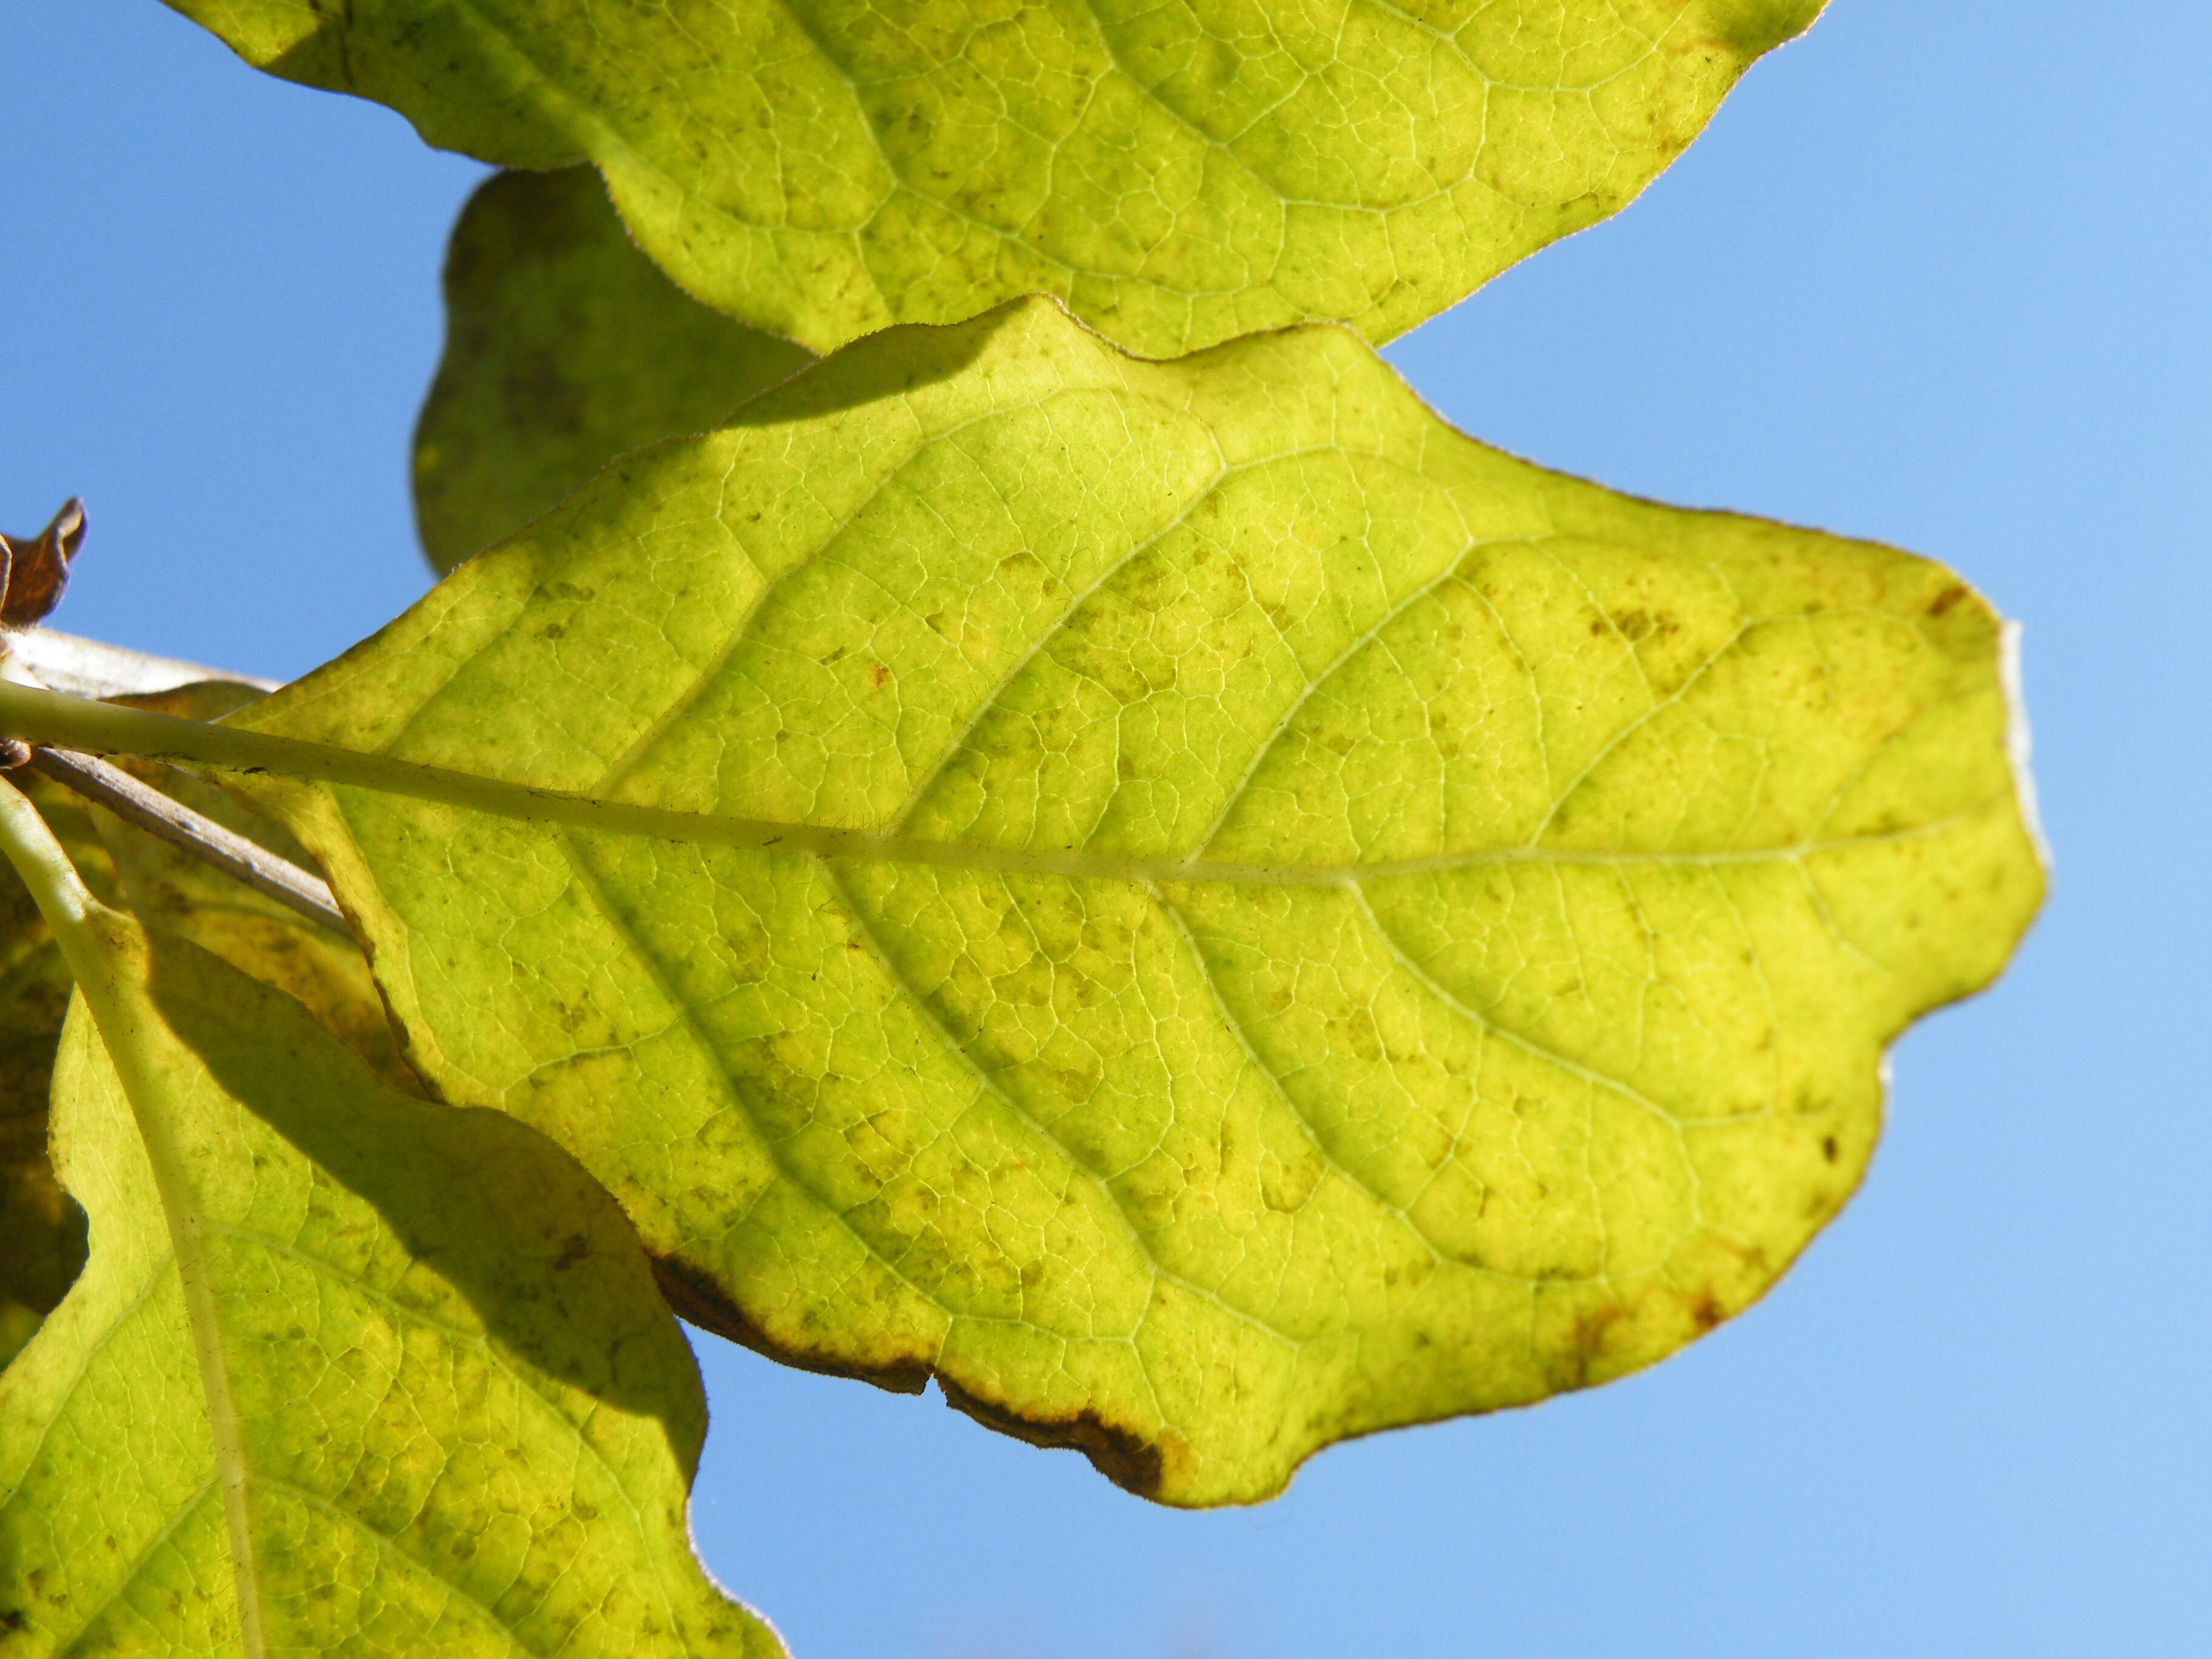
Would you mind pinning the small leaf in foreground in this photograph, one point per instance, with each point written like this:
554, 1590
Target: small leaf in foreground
565, 347
345, 1372
41, 1232
1219, 914
1176, 174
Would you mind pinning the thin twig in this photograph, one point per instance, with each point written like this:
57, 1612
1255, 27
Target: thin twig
202, 837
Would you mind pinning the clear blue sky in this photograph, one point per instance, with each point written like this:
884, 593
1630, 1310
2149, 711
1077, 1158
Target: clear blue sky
1938, 274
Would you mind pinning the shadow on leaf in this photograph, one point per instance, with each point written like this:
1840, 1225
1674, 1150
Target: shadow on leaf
511, 1222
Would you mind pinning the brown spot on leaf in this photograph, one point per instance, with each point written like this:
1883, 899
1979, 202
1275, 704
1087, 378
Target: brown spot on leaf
1705, 1311
1590, 1337
1943, 601
1828, 1147
1638, 625
879, 674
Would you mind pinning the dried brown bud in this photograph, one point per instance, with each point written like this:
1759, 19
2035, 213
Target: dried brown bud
35, 569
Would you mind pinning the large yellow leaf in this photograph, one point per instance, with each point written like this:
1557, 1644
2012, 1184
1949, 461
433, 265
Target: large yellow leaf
1192, 902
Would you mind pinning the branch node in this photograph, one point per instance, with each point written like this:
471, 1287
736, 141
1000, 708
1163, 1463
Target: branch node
172, 821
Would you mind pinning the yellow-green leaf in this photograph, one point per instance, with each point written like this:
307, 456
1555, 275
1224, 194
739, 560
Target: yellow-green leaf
41, 1232
1176, 173
346, 1372
1191, 901
564, 347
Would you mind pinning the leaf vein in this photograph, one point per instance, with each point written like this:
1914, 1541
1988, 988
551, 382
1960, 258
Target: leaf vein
921, 1003
183, 1513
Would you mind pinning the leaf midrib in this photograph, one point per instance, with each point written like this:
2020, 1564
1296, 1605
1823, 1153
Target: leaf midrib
48, 717
185, 1219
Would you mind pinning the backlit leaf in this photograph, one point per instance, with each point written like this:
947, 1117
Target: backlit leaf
346, 1372
41, 1232
564, 347
1178, 173
1204, 909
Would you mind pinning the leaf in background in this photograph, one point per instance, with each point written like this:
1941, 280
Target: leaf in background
1232, 916
389, 1377
41, 1232
1176, 173
565, 347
